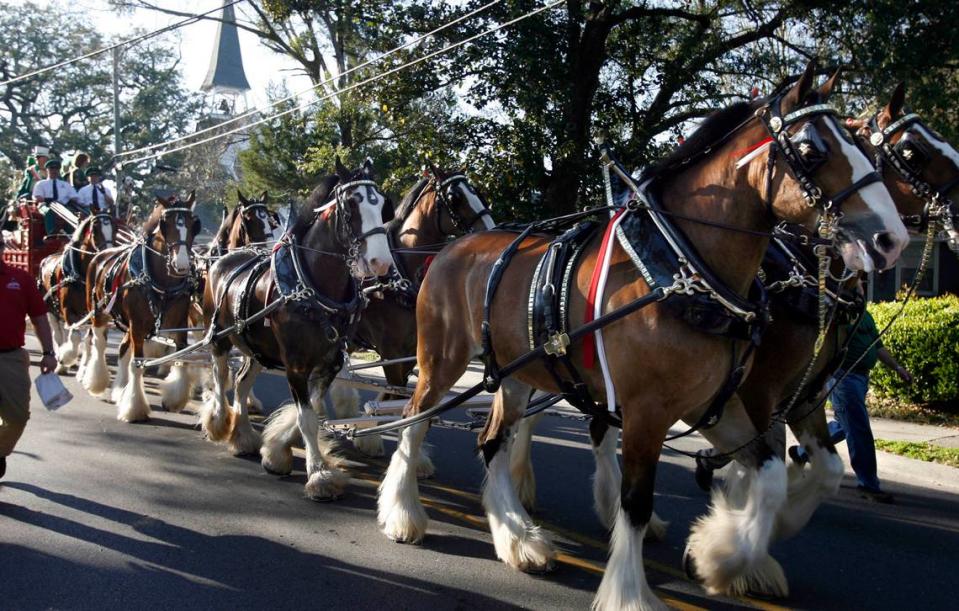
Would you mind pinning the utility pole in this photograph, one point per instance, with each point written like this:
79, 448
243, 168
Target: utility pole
116, 124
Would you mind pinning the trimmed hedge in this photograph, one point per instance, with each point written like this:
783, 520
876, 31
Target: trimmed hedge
925, 339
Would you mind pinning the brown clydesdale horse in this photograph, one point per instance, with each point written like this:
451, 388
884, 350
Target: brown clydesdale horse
661, 367
440, 206
920, 185
144, 287
63, 278
313, 274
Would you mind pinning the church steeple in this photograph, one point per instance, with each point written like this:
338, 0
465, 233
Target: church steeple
226, 74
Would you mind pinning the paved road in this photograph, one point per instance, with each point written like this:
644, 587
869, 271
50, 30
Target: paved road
98, 514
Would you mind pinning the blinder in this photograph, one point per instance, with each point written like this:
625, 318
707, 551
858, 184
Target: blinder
444, 193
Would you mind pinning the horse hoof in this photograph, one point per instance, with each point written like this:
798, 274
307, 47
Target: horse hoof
325, 486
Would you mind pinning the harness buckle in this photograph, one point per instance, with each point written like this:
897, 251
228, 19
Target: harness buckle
556, 344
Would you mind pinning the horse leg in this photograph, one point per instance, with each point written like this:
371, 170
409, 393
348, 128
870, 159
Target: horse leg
84, 358
215, 418
279, 435
96, 376
521, 461
122, 377
133, 405
244, 440
323, 483
177, 386
809, 487
624, 583
518, 542
608, 480
66, 346
728, 547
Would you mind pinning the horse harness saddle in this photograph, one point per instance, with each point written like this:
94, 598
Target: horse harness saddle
667, 262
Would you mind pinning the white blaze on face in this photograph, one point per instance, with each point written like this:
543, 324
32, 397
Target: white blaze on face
181, 261
264, 218
879, 202
476, 204
377, 259
106, 227
944, 148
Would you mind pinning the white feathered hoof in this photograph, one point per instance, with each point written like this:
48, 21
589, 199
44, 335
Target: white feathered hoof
765, 579
370, 446
530, 552
67, 354
656, 529
326, 485
711, 556
404, 524
245, 441
424, 467
96, 377
525, 483
216, 423
175, 389
276, 459
133, 405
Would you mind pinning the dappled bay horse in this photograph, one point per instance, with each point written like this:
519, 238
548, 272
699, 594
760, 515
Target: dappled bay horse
297, 307
439, 206
144, 287
63, 279
648, 367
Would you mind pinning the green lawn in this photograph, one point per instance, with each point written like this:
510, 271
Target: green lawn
921, 451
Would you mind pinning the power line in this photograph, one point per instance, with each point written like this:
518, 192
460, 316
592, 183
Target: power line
124, 43
353, 86
277, 103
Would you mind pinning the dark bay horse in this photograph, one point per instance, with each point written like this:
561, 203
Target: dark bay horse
311, 284
439, 206
660, 366
144, 287
63, 278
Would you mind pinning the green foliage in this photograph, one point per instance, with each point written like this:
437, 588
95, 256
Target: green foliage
921, 451
925, 339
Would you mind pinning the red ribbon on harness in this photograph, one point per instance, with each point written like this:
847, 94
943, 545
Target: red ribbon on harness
589, 340
750, 149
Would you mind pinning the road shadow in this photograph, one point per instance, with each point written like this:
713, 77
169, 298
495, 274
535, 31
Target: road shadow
175, 567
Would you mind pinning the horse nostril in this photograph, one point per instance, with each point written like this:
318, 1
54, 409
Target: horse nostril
885, 241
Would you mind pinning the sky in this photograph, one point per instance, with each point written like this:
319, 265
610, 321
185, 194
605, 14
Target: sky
195, 42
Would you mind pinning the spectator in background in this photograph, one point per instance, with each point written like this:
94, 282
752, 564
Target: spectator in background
848, 389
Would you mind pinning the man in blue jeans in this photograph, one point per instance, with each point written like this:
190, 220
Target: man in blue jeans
848, 397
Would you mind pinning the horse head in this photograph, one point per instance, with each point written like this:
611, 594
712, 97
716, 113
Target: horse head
253, 222
461, 209
358, 210
172, 227
918, 166
818, 173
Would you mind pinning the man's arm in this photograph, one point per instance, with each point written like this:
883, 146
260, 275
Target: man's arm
42, 326
887, 359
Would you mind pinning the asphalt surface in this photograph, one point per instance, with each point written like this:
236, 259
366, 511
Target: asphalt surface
99, 514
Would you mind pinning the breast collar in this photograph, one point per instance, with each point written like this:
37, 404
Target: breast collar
293, 284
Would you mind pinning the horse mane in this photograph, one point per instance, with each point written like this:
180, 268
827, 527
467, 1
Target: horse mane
713, 128
150, 225
81, 228
320, 195
406, 204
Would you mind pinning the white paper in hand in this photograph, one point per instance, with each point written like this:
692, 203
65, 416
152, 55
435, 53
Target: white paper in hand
52, 391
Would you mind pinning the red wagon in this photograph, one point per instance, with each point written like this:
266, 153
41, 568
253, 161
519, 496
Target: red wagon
28, 244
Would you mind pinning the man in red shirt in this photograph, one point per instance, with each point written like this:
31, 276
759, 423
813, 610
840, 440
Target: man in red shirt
19, 298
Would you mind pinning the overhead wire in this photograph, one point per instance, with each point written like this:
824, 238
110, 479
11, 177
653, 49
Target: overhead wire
123, 43
313, 88
351, 87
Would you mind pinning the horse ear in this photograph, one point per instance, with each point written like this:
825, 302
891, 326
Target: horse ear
340, 169
239, 196
226, 213
264, 196
827, 88
894, 108
797, 95
368, 167
435, 170
191, 199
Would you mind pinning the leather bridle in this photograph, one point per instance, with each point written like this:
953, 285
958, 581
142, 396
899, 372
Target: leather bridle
187, 215
343, 217
443, 191
937, 205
